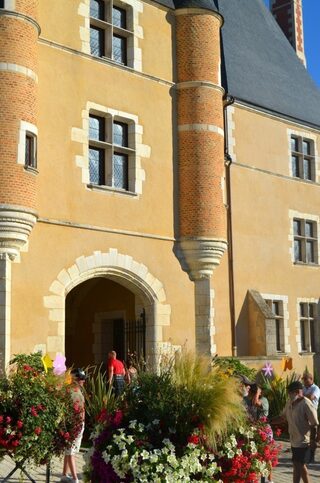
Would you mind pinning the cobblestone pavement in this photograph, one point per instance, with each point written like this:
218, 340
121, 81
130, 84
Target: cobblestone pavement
282, 474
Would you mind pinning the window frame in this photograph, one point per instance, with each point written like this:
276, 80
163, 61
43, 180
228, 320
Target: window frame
301, 157
279, 319
30, 154
307, 325
303, 240
107, 144
110, 31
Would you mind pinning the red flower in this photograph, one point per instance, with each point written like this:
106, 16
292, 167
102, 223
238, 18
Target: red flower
8, 419
34, 411
27, 368
193, 439
1, 419
19, 424
37, 430
66, 436
278, 432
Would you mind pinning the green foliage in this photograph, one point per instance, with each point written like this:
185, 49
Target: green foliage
234, 367
184, 395
33, 360
275, 390
98, 395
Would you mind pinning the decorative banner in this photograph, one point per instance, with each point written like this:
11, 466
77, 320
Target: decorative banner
267, 369
287, 363
47, 362
59, 365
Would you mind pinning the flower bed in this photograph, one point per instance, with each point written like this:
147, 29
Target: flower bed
37, 417
186, 424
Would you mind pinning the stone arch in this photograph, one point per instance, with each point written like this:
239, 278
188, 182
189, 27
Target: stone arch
124, 270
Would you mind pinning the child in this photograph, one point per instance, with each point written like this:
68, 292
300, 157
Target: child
79, 378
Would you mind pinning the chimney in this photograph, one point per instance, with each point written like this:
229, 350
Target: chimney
288, 14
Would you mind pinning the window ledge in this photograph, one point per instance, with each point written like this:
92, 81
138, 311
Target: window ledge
97, 187
302, 264
32, 170
306, 353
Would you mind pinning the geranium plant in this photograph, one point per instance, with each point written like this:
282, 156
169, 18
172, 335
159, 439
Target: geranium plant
38, 419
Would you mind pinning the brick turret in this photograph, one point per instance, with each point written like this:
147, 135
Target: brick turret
288, 14
202, 222
19, 32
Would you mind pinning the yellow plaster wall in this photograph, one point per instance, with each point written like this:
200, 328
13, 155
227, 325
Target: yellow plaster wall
60, 22
261, 223
66, 197
53, 248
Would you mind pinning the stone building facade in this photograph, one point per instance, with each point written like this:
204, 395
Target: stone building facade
159, 181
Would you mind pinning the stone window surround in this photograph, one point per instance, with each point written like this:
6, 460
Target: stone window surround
137, 174
304, 216
26, 128
9, 4
122, 269
135, 53
297, 322
308, 136
286, 328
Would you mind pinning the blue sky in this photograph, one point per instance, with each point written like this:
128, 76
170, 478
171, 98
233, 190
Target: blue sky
311, 14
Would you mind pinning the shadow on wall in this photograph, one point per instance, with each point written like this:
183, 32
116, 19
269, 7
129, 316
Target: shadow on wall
242, 329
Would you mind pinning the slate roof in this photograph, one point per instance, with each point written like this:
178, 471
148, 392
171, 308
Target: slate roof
259, 65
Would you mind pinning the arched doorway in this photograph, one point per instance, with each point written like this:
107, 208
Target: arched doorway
103, 315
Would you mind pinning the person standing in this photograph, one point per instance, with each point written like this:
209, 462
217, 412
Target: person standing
312, 392
69, 463
302, 420
116, 373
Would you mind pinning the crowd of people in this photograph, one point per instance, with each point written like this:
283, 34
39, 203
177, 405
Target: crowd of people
300, 415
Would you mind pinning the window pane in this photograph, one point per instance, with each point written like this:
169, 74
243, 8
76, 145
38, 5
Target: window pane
310, 251
297, 251
120, 134
306, 147
311, 310
303, 310
1, 3
97, 41
309, 229
294, 144
307, 169
312, 336
96, 128
96, 166
97, 9
303, 333
119, 49
30, 159
120, 171
119, 17
278, 335
295, 166
276, 308
297, 227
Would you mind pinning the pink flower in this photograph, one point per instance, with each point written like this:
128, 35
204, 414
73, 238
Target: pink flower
8, 419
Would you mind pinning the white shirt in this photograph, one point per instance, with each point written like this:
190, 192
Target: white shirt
312, 390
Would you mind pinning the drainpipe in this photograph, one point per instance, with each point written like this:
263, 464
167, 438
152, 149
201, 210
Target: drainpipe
228, 101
